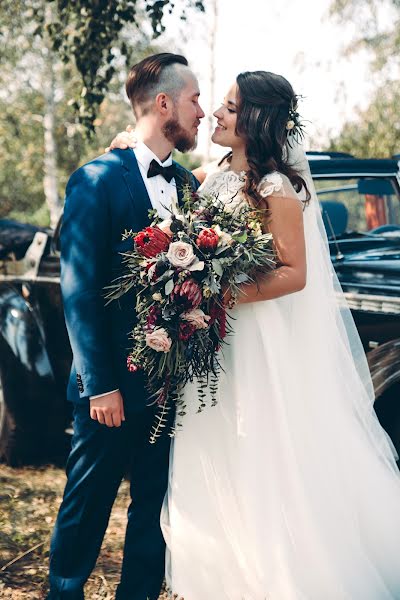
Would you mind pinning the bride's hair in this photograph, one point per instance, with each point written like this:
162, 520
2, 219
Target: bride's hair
264, 101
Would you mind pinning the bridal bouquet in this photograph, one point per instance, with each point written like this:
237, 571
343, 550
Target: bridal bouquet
179, 269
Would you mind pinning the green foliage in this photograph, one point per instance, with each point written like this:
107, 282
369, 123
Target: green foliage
23, 73
189, 161
381, 39
89, 34
376, 131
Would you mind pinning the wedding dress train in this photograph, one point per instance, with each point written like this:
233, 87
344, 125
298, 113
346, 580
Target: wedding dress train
288, 488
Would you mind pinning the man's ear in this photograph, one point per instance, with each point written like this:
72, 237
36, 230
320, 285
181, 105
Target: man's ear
163, 104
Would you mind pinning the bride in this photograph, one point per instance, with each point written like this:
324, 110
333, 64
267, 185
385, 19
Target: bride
288, 488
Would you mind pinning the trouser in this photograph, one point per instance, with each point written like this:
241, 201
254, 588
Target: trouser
99, 458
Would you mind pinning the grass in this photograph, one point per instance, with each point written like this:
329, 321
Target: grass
29, 501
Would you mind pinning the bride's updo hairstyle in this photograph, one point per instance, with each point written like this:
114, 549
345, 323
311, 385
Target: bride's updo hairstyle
263, 104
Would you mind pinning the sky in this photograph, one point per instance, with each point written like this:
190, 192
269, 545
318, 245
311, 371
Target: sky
296, 39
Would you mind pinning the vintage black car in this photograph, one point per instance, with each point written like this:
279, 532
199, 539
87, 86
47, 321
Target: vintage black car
360, 201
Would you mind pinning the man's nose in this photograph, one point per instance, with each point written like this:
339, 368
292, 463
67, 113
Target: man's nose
200, 112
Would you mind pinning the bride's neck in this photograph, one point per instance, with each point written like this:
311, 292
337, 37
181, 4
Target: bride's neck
238, 161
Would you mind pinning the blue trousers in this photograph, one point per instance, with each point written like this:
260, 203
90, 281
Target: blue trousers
99, 458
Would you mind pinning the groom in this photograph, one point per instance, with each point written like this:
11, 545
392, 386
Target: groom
112, 419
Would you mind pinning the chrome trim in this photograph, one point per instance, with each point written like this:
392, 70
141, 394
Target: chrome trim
29, 278
349, 175
369, 303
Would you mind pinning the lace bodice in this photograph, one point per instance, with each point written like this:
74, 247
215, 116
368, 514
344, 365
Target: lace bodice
227, 185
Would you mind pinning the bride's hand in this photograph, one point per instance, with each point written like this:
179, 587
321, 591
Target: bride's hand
123, 140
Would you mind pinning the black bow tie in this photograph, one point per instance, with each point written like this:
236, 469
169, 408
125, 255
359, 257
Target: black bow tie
156, 169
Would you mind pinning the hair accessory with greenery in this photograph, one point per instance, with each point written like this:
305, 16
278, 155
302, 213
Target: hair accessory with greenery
295, 126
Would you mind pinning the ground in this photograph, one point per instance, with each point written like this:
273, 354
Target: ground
29, 500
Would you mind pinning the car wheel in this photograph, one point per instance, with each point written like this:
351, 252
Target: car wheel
387, 408
9, 452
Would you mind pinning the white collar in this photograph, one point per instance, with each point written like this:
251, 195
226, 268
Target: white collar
144, 156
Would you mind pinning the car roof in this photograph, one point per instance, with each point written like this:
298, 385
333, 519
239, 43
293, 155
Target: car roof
340, 165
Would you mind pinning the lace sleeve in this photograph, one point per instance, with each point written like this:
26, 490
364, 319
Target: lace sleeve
276, 184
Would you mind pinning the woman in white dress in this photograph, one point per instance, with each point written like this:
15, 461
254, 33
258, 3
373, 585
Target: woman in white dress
288, 488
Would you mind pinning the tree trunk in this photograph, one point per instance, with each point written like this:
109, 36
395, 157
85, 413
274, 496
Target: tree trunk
50, 179
213, 36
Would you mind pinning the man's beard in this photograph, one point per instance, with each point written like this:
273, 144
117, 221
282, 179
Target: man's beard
178, 136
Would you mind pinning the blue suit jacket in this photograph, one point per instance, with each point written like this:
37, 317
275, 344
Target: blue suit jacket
103, 198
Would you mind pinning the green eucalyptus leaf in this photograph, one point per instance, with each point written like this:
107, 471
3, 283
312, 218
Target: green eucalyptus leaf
217, 267
240, 236
169, 286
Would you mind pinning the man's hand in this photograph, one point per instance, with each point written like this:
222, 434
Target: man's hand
108, 410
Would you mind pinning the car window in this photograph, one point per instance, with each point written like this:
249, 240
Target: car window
359, 205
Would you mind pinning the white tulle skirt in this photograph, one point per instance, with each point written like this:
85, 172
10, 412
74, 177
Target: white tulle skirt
283, 491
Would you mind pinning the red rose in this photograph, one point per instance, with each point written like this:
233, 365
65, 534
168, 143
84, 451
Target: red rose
187, 294
186, 330
151, 241
207, 239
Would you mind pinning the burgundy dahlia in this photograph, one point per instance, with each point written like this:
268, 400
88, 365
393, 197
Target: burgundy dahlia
151, 241
187, 294
218, 315
153, 316
186, 330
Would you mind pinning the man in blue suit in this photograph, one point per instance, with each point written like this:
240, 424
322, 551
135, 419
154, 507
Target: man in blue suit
112, 419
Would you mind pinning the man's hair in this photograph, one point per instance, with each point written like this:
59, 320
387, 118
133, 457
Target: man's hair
153, 75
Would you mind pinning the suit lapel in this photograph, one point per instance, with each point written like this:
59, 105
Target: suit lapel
137, 189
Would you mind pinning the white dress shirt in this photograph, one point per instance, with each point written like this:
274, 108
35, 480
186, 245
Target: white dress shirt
160, 191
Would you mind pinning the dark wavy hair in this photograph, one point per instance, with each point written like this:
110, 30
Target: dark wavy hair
263, 104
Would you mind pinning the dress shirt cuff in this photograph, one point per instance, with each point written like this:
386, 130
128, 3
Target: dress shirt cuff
101, 395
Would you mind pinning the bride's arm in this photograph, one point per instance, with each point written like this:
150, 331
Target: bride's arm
286, 226
200, 174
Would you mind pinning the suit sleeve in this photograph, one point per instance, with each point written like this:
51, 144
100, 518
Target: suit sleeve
85, 270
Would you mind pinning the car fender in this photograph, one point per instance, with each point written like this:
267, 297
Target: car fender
28, 378
384, 365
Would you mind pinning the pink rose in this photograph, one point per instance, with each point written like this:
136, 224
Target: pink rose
180, 254
197, 318
158, 340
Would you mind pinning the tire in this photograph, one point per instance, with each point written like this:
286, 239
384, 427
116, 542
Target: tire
387, 408
12, 447
28, 444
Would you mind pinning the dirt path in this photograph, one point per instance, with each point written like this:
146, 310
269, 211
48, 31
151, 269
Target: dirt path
29, 501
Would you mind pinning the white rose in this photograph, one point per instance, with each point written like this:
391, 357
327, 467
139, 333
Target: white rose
180, 254
157, 297
290, 125
158, 340
197, 318
165, 225
224, 238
